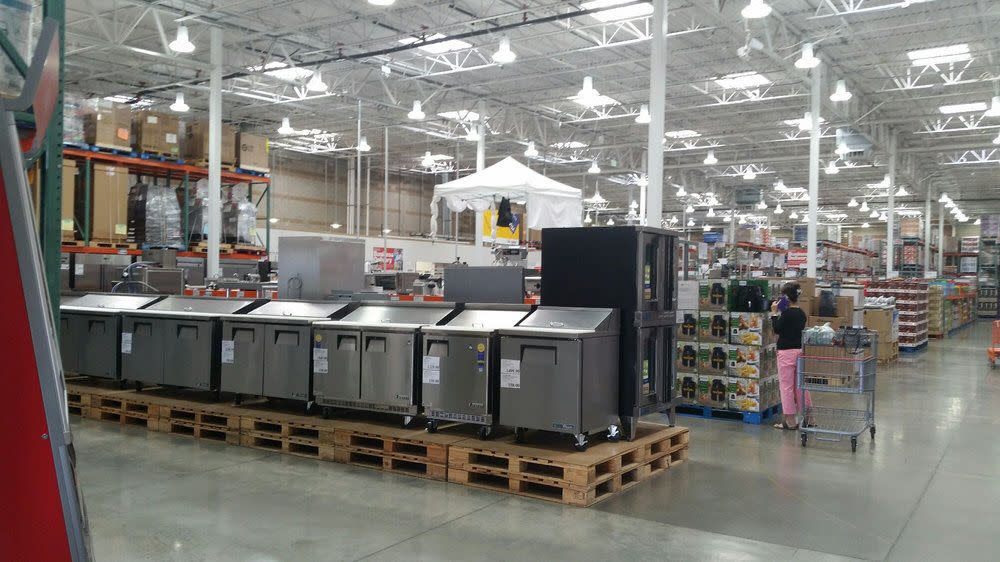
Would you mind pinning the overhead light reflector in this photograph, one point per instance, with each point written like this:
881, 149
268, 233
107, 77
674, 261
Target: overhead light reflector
742, 81
975, 107
417, 113
710, 158
182, 44
841, 93
940, 55
504, 54
286, 127
643, 117
756, 9
808, 59
179, 105
615, 14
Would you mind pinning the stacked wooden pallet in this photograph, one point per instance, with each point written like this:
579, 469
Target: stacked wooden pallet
546, 467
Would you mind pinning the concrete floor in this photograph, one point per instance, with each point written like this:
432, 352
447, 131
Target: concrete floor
926, 489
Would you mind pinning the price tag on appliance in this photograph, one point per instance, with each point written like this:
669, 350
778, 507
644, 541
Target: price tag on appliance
228, 351
321, 360
510, 373
432, 370
127, 343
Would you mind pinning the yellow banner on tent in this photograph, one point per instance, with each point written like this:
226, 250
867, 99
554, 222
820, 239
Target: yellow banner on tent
503, 232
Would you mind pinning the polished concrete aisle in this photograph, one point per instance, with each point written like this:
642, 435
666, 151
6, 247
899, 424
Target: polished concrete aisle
926, 489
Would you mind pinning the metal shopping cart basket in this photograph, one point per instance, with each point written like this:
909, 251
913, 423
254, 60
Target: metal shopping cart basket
843, 364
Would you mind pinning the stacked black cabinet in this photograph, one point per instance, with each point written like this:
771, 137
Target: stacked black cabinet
633, 269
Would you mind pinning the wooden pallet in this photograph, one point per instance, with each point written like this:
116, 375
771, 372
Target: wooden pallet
114, 244
228, 166
73, 242
309, 448
202, 247
390, 463
200, 431
249, 248
549, 469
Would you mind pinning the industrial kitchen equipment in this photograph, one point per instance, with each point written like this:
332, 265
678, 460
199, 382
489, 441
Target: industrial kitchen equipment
643, 289
460, 365
90, 330
559, 372
368, 359
177, 341
313, 267
268, 351
463, 283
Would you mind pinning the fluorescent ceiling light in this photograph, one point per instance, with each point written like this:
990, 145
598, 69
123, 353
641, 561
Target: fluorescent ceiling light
940, 55
643, 117
865, 225
135, 103
182, 44
975, 107
682, 134
615, 14
179, 105
382, 2
286, 127
808, 59
841, 93
335, 225
461, 116
272, 220
531, 151
804, 124
417, 113
504, 54
568, 145
727, 218
756, 9
437, 48
282, 71
742, 81
710, 158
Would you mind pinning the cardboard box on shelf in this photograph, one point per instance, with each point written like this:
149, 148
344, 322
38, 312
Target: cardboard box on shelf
110, 185
252, 153
156, 133
885, 321
686, 388
713, 326
751, 361
196, 143
713, 294
687, 294
712, 390
687, 325
686, 357
68, 203
713, 358
743, 394
108, 126
750, 328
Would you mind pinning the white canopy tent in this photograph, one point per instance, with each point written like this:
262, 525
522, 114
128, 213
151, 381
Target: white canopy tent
549, 203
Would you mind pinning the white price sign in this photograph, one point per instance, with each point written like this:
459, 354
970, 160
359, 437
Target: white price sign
228, 351
321, 360
127, 343
432, 370
510, 373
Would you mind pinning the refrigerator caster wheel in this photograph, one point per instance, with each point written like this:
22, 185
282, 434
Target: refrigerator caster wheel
217, 395
432, 426
326, 413
138, 386
518, 435
854, 444
237, 400
804, 439
872, 431
580, 443
614, 434
485, 432
123, 384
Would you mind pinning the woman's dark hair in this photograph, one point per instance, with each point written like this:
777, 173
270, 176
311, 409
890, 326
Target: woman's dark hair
792, 291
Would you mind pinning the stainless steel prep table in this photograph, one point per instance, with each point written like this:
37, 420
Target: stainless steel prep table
460, 366
176, 341
268, 351
559, 372
90, 328
370, 356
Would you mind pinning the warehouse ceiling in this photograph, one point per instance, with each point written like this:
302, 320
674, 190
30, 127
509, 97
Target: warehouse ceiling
733, 88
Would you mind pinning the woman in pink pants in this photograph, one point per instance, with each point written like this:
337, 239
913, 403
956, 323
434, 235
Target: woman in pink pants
788, 321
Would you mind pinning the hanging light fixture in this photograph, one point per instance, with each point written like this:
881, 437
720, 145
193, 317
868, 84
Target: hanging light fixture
179, 106
472, 135
944, 198
286, 127
864, 206
727, 218
808, 59
417, 113
673, 219
710, 158
756, 9
853, 202
865, 225
841, 93
587, 94
794, 216
978, 222
427, 161
633, 205
690, 222
743, 219
901, 192
531, 151
806, 123
874, 214
273, 220
994, 110
363, 145
504, 54
182, 44
842, 149
594, 168
689, 209
643, 118
997, 140
762, 205
950, 204
778, 210
706, 228
831, 168
642, 181
587, 219
316, 83
749, 174
681, 191
711, 212
805, 218
779, 185
883, 217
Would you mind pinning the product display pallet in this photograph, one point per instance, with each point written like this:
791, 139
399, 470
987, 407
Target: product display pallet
755, 418
913, 348
113, 244
546, 467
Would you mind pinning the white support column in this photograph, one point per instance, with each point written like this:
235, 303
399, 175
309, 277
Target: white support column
657, 110
813, 212
941, 214
890, 247
385, 182
480, 164
643, 190
215, 154
357, 180
927, 230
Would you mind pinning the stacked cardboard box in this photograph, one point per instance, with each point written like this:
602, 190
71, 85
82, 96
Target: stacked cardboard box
68, 199
937, 317
253, 153
753, 364
109, 207
196, 143
156, 133
885, 321
686, 373
109, 126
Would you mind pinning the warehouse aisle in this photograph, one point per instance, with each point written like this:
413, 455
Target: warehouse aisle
748, 492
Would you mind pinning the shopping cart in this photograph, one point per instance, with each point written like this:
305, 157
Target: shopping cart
993, 351
844, 365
